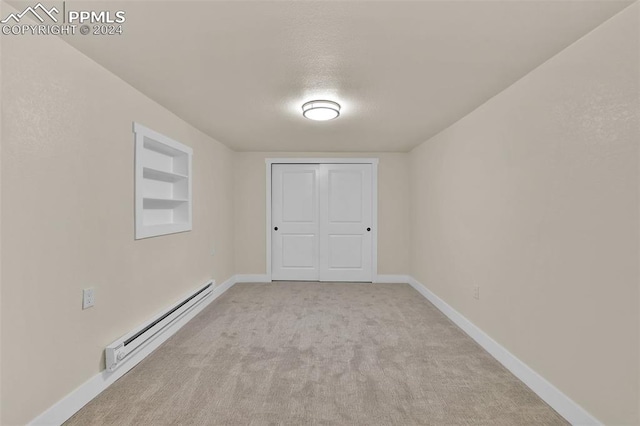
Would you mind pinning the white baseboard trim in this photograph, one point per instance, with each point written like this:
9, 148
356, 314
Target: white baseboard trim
70, 404
565, 406
392, 279
252, 278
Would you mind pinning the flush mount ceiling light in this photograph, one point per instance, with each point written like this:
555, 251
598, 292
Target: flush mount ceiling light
321, 110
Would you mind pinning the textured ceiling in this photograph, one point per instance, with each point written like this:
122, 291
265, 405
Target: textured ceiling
403, 71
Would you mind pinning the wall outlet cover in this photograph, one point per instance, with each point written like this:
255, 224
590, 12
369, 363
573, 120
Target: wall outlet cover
88, 298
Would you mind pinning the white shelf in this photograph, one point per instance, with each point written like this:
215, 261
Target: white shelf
160, 147
163, 184
155, 174
161, 203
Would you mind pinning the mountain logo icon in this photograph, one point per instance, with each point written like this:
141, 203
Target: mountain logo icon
38, 11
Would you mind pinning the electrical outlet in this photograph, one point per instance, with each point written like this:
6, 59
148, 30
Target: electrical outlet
213, 251
476, 292
88, 298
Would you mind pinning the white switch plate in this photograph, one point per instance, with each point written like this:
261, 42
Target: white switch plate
476, 292
88, 298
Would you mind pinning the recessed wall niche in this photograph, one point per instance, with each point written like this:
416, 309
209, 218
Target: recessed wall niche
162, 185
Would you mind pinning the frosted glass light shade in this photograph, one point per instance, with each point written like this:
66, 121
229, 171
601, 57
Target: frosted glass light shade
321, 110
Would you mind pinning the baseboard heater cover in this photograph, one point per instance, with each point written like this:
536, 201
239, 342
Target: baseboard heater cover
117, 352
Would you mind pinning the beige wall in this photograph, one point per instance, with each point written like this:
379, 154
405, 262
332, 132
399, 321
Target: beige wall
68, 223
250, 209
2, 10
534, 197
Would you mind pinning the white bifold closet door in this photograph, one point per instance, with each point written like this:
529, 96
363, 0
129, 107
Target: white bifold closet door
321, 222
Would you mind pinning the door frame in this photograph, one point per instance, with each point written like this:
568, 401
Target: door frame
343, 160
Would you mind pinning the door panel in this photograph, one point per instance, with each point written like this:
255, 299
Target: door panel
345, 196
299, 197
345, 214
295, 212
345, 251
299, 251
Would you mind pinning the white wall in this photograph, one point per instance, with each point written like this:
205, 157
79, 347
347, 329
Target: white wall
250, 209
68, 223
534, 197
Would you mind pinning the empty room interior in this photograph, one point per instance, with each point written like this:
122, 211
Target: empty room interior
320, 212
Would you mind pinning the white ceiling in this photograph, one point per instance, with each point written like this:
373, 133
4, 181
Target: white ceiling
403, 71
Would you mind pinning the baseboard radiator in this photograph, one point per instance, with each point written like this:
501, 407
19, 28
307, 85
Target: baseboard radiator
118, 352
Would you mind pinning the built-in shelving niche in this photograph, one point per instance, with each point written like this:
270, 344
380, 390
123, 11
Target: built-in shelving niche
163, 184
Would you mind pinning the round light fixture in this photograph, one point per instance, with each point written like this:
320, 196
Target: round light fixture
321, 110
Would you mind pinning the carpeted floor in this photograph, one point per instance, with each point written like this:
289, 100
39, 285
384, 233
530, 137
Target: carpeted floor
319, 353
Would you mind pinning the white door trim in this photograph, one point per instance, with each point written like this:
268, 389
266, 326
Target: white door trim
343, 160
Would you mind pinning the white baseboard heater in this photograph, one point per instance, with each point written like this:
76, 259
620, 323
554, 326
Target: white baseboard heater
118, 351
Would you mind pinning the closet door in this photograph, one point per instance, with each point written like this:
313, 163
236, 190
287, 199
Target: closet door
345, 222
294, 222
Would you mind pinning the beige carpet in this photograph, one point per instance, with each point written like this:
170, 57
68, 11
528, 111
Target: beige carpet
319, 353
